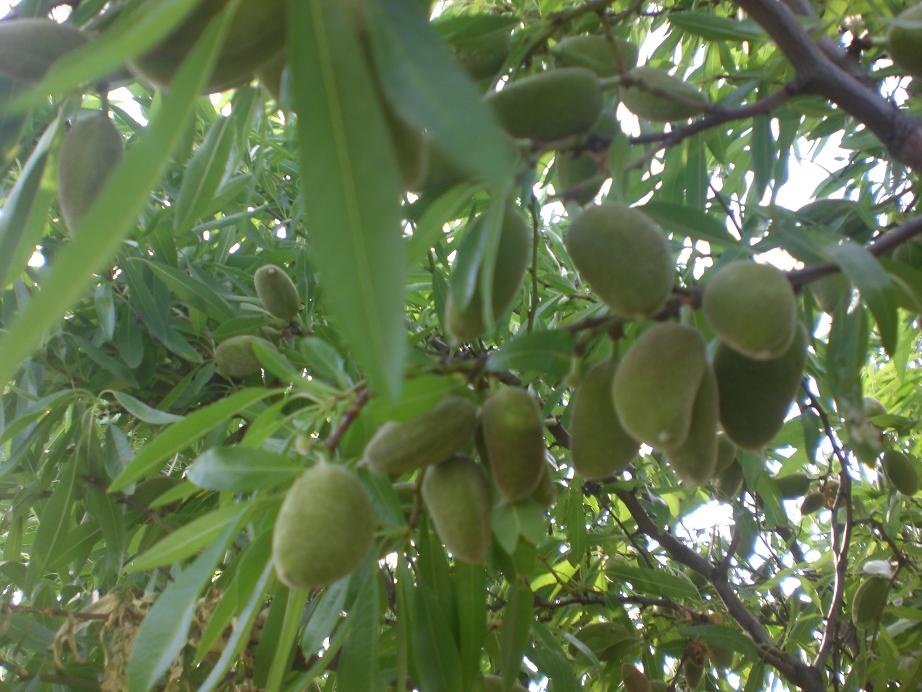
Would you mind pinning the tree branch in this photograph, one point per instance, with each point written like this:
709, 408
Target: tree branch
901, 134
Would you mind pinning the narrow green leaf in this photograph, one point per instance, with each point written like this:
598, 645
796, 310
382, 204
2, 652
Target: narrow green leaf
240, 469
695, 223
54, 520
142, 411
716, 28
189, 539
283, 645
872, 280
426, 86
350, 187
358, 669
196, 293
546, 353
183, 433
163, 632
101, 231
471, 601
325, 615
517, 620
436, 650
652, 581
203, 174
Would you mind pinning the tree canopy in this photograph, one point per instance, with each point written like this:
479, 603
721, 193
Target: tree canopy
390, 344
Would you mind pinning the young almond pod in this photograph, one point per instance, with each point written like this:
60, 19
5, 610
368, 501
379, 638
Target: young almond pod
545, 494
234, 357
624, 257
324, 528
792, 485
513, 436
634, 679
726, 452
657, 383
752, 308
457, 495
729, 482
28, 47
550, 105
253, 38
904, 40
653, 102
277, 292
465, 323
901, 471
812, 503
595, 52
755, 395
695, 460
435, 436
89, 153
599, 445
870, 600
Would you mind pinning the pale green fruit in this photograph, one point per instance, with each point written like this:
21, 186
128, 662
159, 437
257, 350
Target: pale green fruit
792, 485
277, 292
457, 495
512, 257
901, 470
89, 153
609, 641
597, 54
657, 383
755, 395
651, 106
634, 679
873, 407
693, 670
482, 54
545, 493
752, 308
234, 357
28, 47
832, 291
904, 40
578, 176
435, 436
695, 460
324, 528
253, 38
272, 74
624, 257
599, 445
870, 600
550, 105
729, 482
513, 436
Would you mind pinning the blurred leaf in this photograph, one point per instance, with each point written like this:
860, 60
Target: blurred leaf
241, 469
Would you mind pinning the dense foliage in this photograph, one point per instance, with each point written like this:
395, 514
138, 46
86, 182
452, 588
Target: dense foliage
245, 335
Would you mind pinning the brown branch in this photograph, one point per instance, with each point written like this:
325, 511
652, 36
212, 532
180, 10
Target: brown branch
900, 133
51, 612
792, 669
332, 442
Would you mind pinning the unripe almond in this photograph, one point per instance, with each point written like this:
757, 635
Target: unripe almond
90, 151
648, 104
29, 46
324, 528
513, 435
234, 357
870, 600
457, 495
277, 292
902, 471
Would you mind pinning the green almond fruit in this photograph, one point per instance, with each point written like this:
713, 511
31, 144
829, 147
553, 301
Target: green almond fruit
695, 460
324, 529
545, 493
693, 671
752, 308
656, 385
634, 679
726, 452
755, 395
550, 105
599, 445
29, 46
901, 470
483, 56
659, 686
277, 292
442, 173
904, 40
870, 600
729, 482
411, 148
513, 436
596, 53
721, 658
272, 75
578, 176
457, 495
792, 485
494, 683
607, 640
253, 38
812, 503
624, 257
512, 258
89, 153
873, 407
435, 436
652, 106
234, 357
